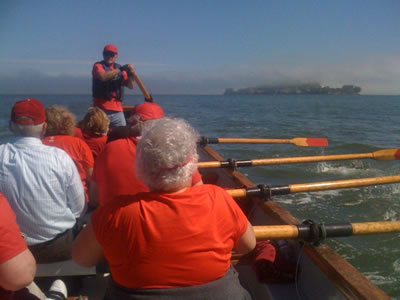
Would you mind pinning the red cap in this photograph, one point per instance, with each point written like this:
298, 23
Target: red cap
28, 112
110, 48
148, 111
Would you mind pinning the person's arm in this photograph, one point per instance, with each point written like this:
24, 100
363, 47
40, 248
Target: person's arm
129, 83
247, 241
107, 75
18, 272
73, 188
86, 250
93, 194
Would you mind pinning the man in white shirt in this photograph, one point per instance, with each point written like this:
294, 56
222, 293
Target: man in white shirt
42, 185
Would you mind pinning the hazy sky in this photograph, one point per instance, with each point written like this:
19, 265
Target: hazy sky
201, 46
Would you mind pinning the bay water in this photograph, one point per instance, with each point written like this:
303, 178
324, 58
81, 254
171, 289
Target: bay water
352, 124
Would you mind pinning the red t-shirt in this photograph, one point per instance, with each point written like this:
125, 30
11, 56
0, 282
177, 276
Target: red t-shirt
107, 104
114, 170
169, 240
77, 149
11, 241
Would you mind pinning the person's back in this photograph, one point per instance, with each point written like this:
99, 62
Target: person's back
187, 237
41, 182
114, 171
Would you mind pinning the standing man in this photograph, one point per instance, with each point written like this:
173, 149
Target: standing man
109, 80
41, 184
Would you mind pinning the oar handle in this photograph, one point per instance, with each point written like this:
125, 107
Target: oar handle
146, 95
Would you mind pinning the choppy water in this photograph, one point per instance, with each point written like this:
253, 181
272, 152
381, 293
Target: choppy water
352, 124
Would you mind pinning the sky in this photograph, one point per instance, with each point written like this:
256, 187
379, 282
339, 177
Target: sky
201, 47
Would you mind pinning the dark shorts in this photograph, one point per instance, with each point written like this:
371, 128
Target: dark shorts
226, 287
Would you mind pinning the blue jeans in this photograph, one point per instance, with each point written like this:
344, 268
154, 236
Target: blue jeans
117, 118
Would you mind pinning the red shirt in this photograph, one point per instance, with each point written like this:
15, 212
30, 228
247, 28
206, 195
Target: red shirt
114, 170
11, 241
107, 104
153, 240
77, 149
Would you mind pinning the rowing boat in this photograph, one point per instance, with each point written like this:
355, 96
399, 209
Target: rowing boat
321, 272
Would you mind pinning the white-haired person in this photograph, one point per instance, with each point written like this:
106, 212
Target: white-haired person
174, 242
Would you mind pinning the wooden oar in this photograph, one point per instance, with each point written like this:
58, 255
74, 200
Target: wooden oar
312, 186
305, 231
298, 141
386, 154
147, 96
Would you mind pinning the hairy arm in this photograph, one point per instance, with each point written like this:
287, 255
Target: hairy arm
86, 250
18, 272
247, 241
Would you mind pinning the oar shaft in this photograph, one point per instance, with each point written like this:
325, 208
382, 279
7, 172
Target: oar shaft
341, 184
253, 141
386, 154
331, 230
146, 95
314, 186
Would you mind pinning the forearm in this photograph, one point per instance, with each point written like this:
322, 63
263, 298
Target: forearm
247, 241
108, 75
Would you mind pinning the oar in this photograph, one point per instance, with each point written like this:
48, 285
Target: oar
312, 186
386, 154
298, 141
314, 231
147, 96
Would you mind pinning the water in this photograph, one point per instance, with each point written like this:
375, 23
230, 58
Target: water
352, 124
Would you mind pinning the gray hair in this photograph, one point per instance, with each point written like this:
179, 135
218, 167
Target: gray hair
26, 130
167, 155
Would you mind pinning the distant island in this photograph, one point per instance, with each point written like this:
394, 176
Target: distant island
295, 89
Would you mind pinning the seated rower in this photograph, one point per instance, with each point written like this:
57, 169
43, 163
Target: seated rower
174, 242
93, 130
60, 134
114, 172
41, 184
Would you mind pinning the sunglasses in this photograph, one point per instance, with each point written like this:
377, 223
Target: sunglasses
109, 53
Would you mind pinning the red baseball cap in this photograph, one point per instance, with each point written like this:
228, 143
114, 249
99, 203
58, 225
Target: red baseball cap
148, 111
28, 112
110, 48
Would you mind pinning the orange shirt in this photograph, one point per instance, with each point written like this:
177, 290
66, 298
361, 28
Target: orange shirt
153, 240
77, 149
114, 170
112, 104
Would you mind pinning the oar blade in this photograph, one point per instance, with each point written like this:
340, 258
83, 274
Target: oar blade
387, 154
310, 142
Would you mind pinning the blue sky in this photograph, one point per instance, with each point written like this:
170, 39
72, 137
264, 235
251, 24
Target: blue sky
201, 47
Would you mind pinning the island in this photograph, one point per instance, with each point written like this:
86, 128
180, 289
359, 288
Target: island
295, 89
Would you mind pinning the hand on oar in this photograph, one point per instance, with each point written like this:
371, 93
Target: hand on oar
266, 191
147, 96
386, 154
298, 141
314, 232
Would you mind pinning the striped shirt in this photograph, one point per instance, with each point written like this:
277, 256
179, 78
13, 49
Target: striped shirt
42, 186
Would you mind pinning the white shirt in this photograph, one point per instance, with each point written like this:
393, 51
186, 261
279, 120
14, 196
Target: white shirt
42, 186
